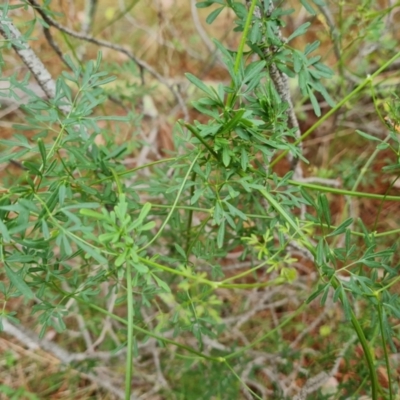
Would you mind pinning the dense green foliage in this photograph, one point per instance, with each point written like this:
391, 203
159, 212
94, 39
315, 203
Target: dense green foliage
78, 226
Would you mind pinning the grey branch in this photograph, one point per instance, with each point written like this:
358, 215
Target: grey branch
28, 56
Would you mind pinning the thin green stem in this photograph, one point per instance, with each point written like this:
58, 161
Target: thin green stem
382, 329
174, 205
343, 191
239, 54
199, 230
129, 354
368, 356
146, 332
243, 39
133, 170
190, 218
358, 89
260, 216
255, 395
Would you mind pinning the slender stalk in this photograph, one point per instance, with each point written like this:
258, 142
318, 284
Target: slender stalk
368, 356
129, 354
243, 39
239, 54
358, 89
380, 314
146, 332
254, 394
343, 192
155, 237
190, 218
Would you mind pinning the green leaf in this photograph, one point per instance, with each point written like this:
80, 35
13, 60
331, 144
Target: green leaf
311, 47
180, 250
197, 82
42, 150
61, 194
319, 2
141, 268
212, 16
255, 33
337, 293
324, 208
19, 283
226, 158
208, 3
367, 136
81, 206
196, 195
297, 62
346, 304
308, 7
12, 143
316, 293
285, 69
308, 197
233, 122
91, 213
45, 230
342, 227
65, 245
324, 93
221, 234
301, 30
235, 212
325, 295
289, 219
120, 259
244, 159
108, 237
382, 146
4, 232
148, 226
314, 102
320, 253
8, 155
144, 211
92, 252
255, 69
161, 283
32, 167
